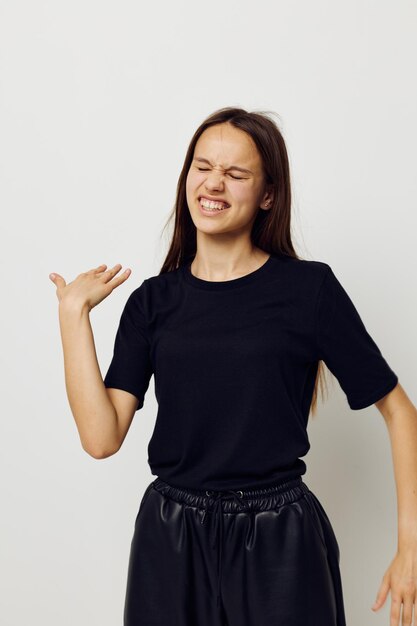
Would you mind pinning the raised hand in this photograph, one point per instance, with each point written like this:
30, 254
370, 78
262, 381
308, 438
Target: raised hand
89, 288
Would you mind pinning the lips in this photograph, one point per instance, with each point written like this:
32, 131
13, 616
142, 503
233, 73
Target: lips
221, 200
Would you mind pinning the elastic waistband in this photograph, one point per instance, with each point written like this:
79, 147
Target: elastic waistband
247, 499
216, 503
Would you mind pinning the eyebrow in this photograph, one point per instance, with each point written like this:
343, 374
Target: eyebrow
232, 167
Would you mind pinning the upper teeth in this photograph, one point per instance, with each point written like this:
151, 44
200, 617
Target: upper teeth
209, 204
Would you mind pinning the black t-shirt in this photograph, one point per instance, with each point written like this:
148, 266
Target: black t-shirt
234, 365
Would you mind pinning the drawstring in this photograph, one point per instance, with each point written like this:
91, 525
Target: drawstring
218, 525
290, 490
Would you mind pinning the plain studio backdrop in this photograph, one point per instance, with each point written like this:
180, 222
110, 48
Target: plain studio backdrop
99, 101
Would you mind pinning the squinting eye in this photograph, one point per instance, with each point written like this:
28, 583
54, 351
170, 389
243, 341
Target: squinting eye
201, 169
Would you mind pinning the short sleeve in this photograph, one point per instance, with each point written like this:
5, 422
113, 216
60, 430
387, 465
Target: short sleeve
131, 368
347, 348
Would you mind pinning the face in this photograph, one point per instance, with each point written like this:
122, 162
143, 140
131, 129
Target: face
227, 167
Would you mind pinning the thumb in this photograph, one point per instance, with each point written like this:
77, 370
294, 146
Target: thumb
57, 280
381, 595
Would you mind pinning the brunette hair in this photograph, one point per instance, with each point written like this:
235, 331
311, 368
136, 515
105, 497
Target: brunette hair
271, 230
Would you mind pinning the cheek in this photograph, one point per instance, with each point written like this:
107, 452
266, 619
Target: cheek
187, 181
243, 195
193, 181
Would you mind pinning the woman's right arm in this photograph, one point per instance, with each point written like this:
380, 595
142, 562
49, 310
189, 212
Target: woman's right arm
102, 423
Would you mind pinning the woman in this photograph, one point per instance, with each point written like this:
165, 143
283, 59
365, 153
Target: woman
235, 329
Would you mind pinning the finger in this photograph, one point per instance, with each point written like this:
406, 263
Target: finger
381, 596
407, 616
57, 280
121, 278
100, 268
395, 613
108, 274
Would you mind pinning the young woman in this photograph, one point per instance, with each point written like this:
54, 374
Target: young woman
235, 329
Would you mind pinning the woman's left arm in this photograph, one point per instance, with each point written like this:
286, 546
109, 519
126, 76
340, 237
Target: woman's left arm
400, 416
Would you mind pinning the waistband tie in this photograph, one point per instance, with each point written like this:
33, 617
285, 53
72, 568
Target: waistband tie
218, 525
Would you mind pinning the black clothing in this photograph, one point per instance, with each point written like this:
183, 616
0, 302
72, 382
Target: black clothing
265, 556
234, 366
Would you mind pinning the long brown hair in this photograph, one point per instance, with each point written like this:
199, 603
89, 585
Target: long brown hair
271, 230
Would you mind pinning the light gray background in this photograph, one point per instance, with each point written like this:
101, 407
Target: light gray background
99, 101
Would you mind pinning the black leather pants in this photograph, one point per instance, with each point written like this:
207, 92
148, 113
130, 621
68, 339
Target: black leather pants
259, 557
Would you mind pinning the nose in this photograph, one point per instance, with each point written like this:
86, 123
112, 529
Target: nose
214, 179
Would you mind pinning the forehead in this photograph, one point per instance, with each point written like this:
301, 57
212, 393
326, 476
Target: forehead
226, 145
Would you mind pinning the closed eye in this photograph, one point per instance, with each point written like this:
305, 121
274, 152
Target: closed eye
202, 169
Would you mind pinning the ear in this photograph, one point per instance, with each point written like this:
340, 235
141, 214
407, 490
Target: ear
267, 201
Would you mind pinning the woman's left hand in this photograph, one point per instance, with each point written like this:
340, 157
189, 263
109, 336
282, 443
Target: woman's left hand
401, 579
